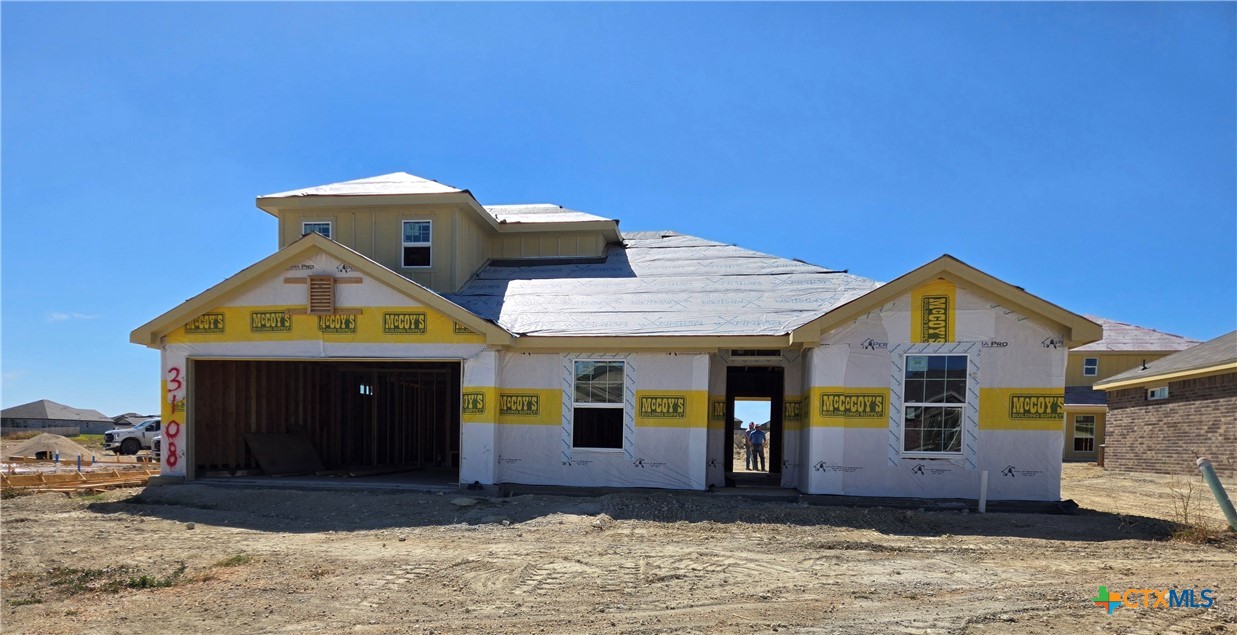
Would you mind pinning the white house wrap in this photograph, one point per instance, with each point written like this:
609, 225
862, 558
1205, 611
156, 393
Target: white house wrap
411, 328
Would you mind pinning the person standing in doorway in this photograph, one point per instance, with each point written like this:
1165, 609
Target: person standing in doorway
748, 459
756, 440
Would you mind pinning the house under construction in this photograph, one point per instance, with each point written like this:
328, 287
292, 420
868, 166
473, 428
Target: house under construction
404, 325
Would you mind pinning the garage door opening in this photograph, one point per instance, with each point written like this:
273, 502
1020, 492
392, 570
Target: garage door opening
359, 418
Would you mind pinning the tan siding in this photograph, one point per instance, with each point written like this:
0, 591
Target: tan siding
1110, 364
388, 248
462, 242
473, 248
286, 233
386, 230
344, 229
377, 232
1069, 435
364, 233
548, 245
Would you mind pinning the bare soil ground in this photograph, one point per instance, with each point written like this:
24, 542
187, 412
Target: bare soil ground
208, 559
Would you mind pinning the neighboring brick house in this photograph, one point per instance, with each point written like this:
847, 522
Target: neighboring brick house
55, 418
1125, 346
1164, 416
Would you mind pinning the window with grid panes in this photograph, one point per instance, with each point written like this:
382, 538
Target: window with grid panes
597, 404
1084, 433
933, 404
416, 243
316, 227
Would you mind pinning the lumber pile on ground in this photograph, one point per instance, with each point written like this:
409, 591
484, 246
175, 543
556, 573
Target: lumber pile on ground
87, 460
76, 482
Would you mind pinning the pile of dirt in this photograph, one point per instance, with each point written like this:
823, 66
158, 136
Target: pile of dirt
45, 446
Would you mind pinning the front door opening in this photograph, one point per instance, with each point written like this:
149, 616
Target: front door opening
754, 396
751, 435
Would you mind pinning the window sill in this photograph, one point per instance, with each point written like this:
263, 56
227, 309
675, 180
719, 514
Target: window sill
599, 450
929, 456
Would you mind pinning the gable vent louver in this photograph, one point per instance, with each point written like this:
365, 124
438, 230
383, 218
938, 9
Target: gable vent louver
321, 295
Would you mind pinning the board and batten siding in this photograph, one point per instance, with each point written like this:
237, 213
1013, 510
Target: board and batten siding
462, 242
548, 245
1111, 363
377, 233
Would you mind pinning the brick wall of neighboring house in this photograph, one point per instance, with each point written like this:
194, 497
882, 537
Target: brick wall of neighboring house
1199, 416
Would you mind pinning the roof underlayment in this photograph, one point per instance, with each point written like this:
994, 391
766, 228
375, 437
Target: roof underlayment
1085, 396
540, 213
659, 283
393, 184
1119, 336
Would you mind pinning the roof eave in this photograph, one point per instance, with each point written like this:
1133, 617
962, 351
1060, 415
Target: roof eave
569, 343
1085, 407
609, 228
275, 205
1156, 378
1132, 351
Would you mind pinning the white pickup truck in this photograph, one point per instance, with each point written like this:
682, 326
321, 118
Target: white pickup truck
131, 440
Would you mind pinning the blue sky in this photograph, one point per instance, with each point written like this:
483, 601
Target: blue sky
1085, 152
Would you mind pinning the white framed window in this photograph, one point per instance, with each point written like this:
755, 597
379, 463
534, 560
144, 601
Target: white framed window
1084, 433
417, 238
934, 405
597, 404
316, 227
1156, 394
1090, 366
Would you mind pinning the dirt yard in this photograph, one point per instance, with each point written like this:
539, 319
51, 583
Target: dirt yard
208, 559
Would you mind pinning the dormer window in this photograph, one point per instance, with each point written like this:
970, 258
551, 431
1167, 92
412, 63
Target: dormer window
316, 227
416, 243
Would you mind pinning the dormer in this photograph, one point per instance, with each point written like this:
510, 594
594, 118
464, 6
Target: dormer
432, 233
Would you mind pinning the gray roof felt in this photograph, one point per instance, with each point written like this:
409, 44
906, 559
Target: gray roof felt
659, 283
1221, 350
45, 409
1085, 396
1119, 336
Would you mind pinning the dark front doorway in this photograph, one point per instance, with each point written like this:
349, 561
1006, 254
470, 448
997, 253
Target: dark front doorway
746, 384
